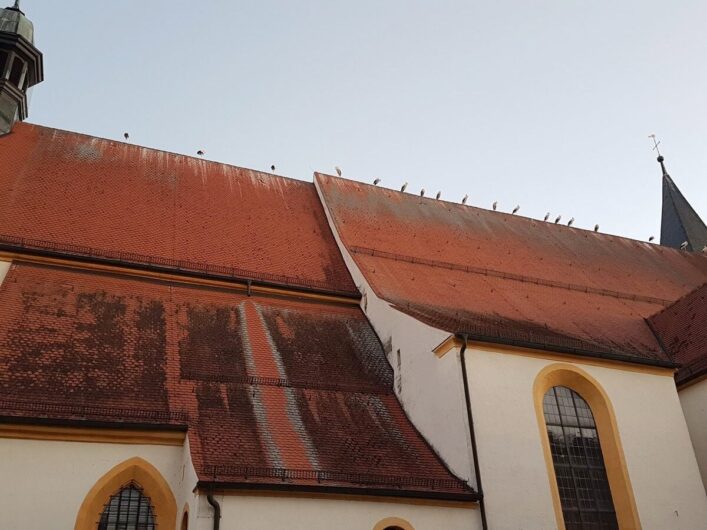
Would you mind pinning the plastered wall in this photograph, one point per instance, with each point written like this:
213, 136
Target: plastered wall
240, 512
430, 389
660, 460
4, 268
43, 483
694, 405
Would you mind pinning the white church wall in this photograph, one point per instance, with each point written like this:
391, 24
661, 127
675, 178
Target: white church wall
659, 457
4, 268
430, 389
295, 512
694, 405
44, 482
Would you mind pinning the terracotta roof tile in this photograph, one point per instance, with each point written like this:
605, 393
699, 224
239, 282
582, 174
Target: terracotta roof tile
682, 329
88, 196
272, 391
509, 278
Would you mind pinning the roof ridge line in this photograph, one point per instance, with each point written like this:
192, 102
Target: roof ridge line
158, 150
507, 275
505, 214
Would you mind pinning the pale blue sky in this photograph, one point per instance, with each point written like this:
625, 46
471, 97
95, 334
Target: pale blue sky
546, 104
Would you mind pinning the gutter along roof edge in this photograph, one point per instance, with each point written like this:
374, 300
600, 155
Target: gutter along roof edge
236, 280
471, 496
610, 356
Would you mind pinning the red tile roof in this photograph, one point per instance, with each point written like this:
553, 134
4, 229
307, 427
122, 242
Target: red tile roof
272, 391
510, 279
87, 196
682, 329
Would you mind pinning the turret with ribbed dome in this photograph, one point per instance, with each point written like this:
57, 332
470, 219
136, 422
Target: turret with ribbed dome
20, 65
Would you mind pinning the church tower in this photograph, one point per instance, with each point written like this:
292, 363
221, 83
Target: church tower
680, 226
20, 65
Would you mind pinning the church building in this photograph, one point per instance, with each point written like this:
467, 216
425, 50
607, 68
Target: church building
188, 345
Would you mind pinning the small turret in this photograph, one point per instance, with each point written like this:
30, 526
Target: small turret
21, 65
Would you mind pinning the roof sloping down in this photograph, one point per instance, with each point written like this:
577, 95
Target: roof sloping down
104, 200
273, 392
682, 329
510, 279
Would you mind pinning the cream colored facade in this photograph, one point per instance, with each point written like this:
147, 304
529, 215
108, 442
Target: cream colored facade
46, 482
694, 404
658, 453
296, 512
4, 268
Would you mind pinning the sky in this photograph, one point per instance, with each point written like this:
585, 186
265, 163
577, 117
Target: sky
545, 104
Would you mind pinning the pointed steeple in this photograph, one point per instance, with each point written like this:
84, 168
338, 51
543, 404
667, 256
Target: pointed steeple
680, 223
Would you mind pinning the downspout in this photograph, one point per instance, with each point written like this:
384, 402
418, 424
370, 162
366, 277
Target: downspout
472, 435
217, 510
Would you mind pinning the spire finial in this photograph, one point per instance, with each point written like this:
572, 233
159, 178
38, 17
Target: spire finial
661, 160
16, 7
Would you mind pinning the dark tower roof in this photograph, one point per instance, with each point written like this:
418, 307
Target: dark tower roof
680, 222
12, 20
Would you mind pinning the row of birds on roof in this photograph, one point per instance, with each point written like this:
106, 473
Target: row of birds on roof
515, 210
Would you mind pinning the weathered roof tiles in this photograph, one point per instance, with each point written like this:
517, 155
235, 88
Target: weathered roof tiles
272, 391
85, 196
507, 278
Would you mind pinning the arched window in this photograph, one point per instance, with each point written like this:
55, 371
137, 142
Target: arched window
578, 461
393, 523
133, 485
128, 509
16, 72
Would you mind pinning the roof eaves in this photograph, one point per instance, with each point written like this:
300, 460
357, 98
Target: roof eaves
566, 349
147, 263
468, 496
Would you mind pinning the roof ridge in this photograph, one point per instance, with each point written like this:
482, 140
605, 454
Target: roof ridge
164, 151
506, 214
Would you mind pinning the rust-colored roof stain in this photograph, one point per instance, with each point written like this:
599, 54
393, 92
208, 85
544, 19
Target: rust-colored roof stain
509, 278
682, 328
83, 195
271, 390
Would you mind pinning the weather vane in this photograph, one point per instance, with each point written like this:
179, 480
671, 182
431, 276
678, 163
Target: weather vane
656, 143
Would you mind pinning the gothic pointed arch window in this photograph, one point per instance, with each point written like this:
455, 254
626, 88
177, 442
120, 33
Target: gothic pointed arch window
128, 509
133, 495
579, 465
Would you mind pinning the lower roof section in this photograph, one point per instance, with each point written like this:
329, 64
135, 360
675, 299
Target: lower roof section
272, 391
682, 329
509, 279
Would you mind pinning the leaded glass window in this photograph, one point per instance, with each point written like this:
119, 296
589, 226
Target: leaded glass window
579, 465
129, 509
